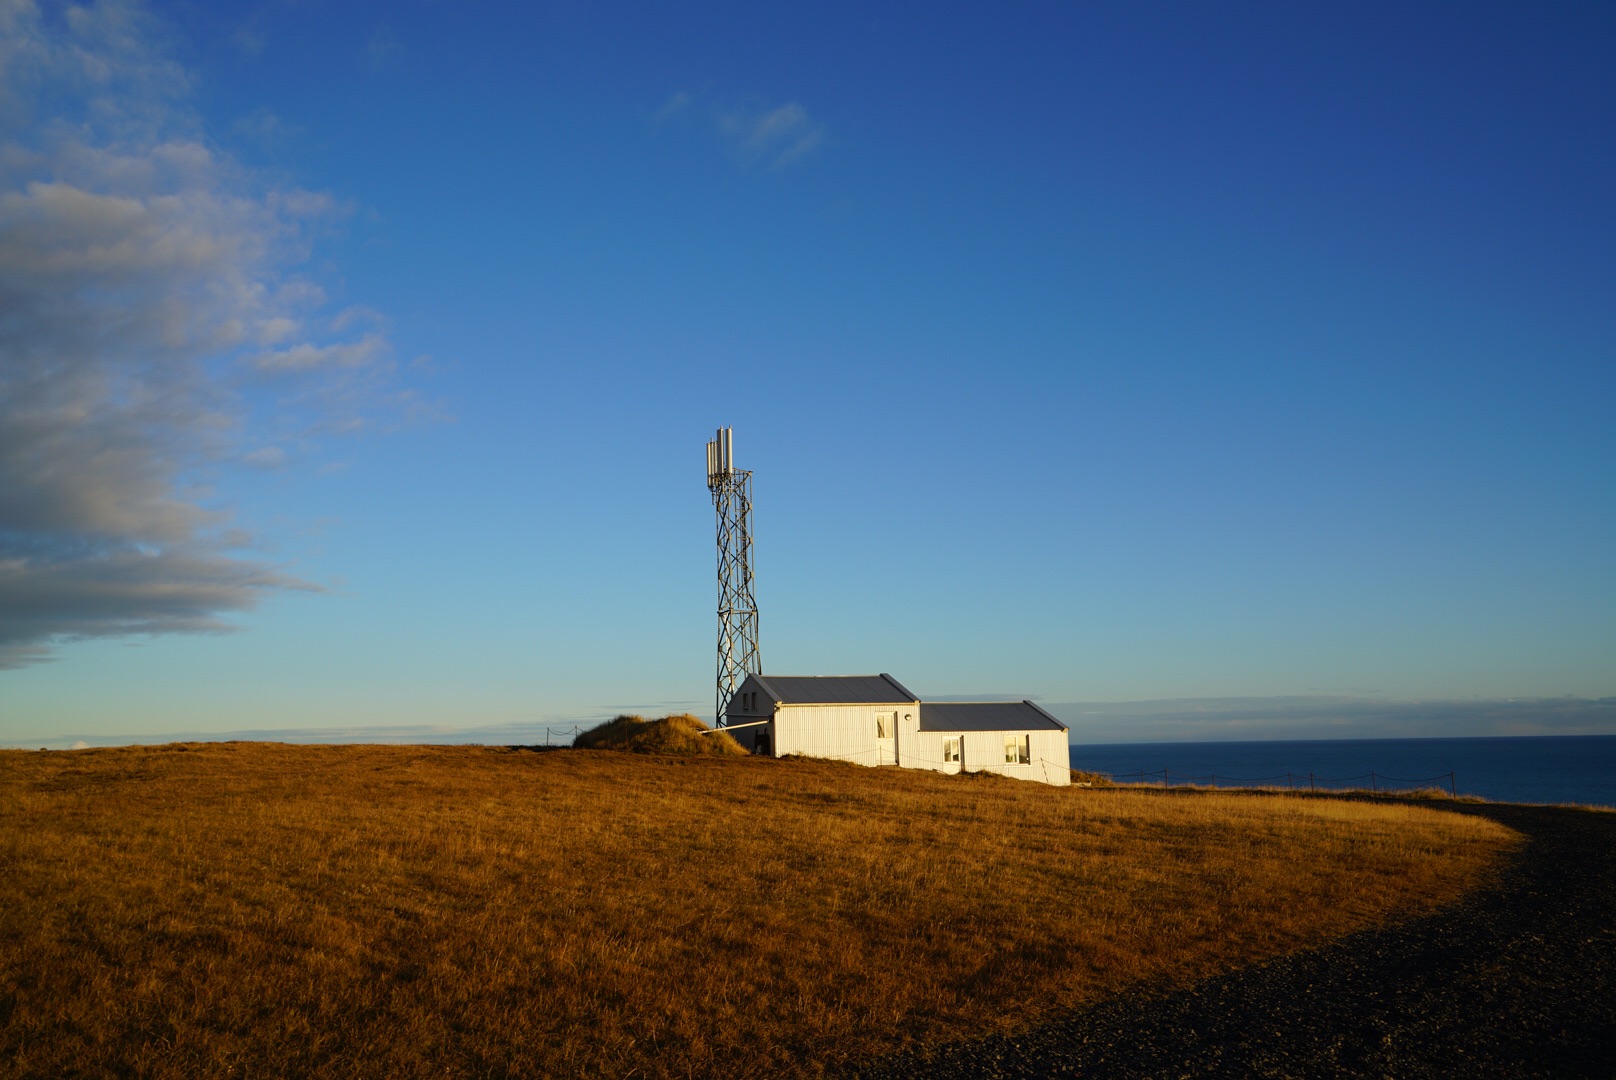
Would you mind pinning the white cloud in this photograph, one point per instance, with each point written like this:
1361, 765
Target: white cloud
306, 357
771, 135
382, 49
779, 135
250, 40
348, 316
264, 128
676, 105
297, 203
275, 329
142, 277
265, 457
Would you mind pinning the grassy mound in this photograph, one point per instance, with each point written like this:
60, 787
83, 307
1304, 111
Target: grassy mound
681, 734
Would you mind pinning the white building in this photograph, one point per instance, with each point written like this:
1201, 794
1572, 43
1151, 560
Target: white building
874, 720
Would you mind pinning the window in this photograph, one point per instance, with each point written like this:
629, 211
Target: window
951, 749
883, 725
1017, 749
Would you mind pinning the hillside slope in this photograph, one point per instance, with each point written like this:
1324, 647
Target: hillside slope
399, 911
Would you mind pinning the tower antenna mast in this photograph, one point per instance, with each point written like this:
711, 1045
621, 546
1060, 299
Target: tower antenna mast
737, 602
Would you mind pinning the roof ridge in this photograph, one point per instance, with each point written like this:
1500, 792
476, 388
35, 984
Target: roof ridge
869, 675
902, 689
1064, 726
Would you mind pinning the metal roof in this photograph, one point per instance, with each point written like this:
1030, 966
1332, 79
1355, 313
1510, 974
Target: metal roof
986, 716
880, 689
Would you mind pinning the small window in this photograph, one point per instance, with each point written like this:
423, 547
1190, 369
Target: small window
1017, 749
883, 725
951, 749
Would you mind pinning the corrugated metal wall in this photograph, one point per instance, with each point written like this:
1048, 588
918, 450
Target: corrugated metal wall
848, 733
1049, 753
843, 732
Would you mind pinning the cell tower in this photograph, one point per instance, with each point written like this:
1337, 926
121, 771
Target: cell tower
737, 604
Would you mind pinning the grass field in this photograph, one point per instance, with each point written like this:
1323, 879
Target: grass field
262, 910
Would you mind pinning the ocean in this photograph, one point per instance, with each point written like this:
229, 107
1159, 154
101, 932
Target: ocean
1528, 768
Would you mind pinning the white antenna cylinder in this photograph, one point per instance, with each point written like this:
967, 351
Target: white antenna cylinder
729, 450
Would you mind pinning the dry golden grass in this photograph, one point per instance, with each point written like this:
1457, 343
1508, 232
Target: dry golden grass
259, 909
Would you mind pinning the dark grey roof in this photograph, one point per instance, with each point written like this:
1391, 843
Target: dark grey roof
986, 716
835, 689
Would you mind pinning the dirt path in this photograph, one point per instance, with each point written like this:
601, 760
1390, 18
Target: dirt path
1518, 981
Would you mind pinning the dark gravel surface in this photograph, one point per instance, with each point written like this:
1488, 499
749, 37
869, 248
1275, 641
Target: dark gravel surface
1516, 980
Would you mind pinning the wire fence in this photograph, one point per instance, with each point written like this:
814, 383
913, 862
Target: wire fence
557, 735
1291, 780
564, 735
1036, 766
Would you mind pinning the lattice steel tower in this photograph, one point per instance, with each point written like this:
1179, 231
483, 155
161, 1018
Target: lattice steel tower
737, 604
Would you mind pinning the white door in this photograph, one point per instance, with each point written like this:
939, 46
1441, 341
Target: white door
953, 747
886, 741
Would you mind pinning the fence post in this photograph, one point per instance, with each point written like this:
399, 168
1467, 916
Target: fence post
1310, 781
1288, 784
1453, 786
1373, 786
1165, 781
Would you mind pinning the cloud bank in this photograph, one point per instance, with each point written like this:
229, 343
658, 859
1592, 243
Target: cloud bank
1330, 717
153, 334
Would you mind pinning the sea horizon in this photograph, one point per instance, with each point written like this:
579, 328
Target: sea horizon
1577, 769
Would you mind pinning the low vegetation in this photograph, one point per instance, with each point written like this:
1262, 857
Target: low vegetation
261, 909
682, 735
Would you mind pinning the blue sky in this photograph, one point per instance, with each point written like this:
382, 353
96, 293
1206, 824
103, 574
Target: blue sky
361, 358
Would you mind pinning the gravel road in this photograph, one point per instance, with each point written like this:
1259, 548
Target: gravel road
1516, 981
